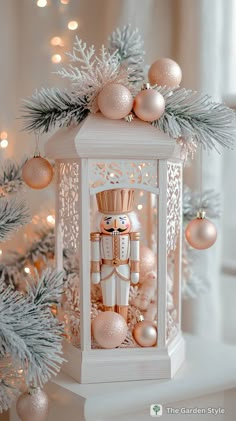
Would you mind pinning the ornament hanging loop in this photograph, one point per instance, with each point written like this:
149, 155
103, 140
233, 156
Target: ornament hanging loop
37, 151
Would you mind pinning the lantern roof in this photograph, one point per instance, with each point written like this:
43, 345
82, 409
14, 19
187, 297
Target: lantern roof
100, 137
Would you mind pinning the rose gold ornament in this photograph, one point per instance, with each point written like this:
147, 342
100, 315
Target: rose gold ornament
115, 101
37, 173
200, 232
109, 329
165, 72
33, 406
149, 105
148, 262
145, 333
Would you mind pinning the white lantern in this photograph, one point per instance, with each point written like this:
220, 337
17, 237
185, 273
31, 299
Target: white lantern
102, 154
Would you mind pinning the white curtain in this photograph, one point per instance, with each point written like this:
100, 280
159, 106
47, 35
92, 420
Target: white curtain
196, 34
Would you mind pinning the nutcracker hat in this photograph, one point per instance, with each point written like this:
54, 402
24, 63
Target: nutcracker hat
115, 201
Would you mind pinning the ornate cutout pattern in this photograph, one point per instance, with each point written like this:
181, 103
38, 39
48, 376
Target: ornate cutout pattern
114, 173
174, 175
68, 202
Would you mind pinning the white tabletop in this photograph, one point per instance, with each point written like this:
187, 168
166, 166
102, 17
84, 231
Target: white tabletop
210, 367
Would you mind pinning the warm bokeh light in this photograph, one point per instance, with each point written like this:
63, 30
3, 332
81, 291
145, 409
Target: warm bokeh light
141, 194
57, 42
65, 1
56, 58
140, 207
42, 3
4, 135
73, 25
0, 252
51, 219
4, 143
27, 270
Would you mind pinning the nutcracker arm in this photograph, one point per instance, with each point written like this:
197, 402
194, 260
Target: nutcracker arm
135, 256
95, 257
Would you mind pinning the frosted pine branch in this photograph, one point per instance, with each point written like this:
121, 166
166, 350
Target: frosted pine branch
48, 290
42, 249
29, 333
10, 177
128, 45
10, 382
13, 214
49, 107
90, 72
187, 113
209, 202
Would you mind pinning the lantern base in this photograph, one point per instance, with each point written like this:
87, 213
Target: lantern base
114, 365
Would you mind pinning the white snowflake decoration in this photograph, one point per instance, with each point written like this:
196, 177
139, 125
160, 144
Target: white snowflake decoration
93, 72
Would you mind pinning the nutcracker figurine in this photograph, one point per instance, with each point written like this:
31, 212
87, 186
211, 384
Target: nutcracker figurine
115, 248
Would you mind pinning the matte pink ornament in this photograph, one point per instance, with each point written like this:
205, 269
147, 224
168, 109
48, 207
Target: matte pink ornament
33, 406
115, 101
201, 233
148, 262
149, 105
37, 173
109, 329
165, 72
145, 333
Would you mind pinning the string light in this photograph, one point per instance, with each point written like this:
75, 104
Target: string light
56, 58
0, 252
141, 194
3, 135
72, 25
51, 219
42, 3
4, 143
57, 42
27, 270
140, 207
65, 1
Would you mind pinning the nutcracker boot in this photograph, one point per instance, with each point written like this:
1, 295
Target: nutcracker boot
123, 311
109, 308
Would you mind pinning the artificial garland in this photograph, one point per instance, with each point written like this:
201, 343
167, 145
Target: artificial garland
189, 116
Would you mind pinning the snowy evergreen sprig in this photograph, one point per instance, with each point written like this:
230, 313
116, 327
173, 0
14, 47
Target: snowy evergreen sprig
11, 381
90, 72
188, 113
49, 107
208, 201
14, 213
41, 249
194, 118
11, 177
29, 333
128, 45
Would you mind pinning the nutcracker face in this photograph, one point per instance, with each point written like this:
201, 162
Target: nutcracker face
119, 224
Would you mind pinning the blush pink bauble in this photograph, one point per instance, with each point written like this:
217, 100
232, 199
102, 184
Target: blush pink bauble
115, 101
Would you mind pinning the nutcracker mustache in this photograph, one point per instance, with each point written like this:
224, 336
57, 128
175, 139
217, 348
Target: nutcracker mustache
113, 229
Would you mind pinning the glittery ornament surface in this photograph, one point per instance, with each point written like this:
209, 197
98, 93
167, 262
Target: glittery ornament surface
165, 72
115, 101
37, 173
109, 329
33, 407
